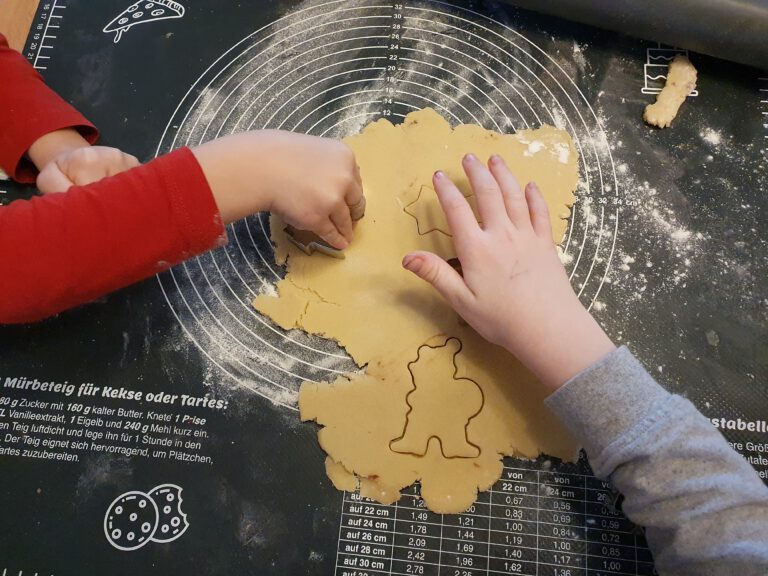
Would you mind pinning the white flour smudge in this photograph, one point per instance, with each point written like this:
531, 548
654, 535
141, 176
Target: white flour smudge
562, 152
578, 56
533, 147
559, 118
711, 136
652, 240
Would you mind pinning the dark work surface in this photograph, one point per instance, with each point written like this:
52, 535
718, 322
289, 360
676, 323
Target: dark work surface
680, 278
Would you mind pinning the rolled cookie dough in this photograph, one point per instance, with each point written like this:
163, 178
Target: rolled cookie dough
681, 81
440, 405
383, 316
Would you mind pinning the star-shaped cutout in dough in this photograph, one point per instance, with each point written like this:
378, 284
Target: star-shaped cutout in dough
428, 213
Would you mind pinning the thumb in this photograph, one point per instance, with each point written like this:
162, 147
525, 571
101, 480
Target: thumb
52, 179
436, 271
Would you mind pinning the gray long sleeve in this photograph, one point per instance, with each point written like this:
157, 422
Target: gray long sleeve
704, 508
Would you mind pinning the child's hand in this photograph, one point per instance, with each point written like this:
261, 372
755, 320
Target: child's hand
82, 166
310, 182
514, 290
64, 158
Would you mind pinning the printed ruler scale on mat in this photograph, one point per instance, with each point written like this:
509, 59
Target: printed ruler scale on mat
38, 50
763, 91
16, 572
393, 57
44, 32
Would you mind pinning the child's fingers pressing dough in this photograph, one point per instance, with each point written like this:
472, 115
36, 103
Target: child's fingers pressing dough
514, 290
310, 182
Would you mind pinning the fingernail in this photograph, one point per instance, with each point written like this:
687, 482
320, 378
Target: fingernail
411, 263
439, 175
470, 157
496, 159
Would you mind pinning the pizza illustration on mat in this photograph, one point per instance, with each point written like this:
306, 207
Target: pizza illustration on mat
143, 12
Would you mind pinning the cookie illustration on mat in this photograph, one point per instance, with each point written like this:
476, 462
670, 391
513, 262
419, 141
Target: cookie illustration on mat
172, 521
142, 12
135, 518
131, 520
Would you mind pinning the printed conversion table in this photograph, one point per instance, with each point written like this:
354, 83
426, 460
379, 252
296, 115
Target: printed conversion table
533, 522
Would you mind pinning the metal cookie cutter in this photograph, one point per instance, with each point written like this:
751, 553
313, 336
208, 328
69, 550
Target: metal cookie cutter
309, 242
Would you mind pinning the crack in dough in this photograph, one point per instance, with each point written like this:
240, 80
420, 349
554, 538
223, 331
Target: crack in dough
383, 315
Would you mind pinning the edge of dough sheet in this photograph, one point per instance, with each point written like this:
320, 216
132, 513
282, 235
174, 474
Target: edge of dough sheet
382, 316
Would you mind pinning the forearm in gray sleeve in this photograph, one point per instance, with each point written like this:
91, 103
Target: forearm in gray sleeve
704, 508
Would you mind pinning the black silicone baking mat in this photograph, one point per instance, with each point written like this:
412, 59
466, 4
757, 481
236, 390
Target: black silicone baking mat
666, 245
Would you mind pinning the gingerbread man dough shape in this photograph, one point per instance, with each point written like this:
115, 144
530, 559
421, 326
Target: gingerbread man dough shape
440, 405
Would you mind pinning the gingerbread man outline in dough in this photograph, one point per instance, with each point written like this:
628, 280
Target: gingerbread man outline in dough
428, 392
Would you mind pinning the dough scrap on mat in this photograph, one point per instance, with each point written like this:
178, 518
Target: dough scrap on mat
383, 316
681, 81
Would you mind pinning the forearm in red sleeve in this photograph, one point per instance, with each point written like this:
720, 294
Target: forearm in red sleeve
61, 250
29, 110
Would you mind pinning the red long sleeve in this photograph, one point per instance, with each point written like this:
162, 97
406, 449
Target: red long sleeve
29, 110
65, 249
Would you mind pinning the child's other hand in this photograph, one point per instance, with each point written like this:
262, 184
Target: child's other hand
514, 290
81, 166
64, 158
310, 182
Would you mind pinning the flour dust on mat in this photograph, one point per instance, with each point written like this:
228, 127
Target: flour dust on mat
378, 426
